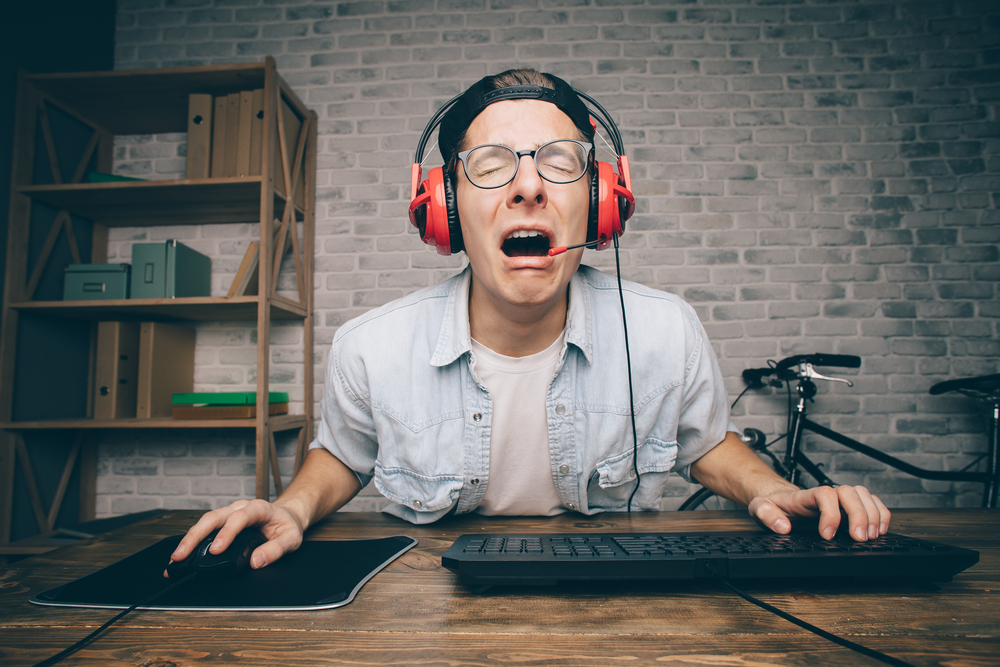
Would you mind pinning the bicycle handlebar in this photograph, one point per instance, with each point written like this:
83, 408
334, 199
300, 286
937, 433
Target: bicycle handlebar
754, 377
820, 359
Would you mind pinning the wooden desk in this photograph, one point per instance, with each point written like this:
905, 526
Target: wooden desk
416, 613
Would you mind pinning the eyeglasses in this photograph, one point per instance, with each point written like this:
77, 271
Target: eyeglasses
492, 166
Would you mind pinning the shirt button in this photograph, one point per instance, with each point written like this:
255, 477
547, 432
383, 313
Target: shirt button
478, 417
417, 504
570, 505
475, 480
560, 409
564, 469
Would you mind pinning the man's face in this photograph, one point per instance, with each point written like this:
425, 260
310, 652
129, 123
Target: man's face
510, 272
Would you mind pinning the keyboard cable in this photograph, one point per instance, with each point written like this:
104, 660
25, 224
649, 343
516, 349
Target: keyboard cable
846, 643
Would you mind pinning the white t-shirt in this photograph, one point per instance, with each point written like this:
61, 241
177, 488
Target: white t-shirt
520, 472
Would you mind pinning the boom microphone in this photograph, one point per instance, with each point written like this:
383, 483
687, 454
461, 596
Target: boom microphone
561, 249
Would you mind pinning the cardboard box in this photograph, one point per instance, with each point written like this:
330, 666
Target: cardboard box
169, 269
166, 367
84, 282
116, 371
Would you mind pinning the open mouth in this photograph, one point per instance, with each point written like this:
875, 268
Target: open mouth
526, 243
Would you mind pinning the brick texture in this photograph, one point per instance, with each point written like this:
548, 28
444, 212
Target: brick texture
811, 176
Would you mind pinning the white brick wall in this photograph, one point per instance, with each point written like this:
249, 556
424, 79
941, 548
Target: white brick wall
812, 176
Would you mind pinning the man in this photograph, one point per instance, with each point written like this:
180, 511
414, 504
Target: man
505, 390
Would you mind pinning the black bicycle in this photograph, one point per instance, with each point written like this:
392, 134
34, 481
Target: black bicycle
801, 370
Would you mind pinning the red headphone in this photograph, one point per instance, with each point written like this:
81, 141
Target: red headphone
434, 210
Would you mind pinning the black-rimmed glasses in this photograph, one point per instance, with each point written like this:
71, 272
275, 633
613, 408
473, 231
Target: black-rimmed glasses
493, 166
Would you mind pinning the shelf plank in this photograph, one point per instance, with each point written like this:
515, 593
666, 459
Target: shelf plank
199, 309
148, 101
150, 203
277, 422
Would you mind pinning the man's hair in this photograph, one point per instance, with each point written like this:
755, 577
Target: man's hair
524, 76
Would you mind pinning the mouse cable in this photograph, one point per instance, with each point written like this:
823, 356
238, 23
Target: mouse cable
86, 640
846, 643
628, 362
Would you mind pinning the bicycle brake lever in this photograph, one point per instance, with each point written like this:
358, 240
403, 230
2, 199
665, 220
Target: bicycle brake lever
806, 370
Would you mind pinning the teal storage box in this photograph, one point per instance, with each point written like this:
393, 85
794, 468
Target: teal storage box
84, 282
169, 269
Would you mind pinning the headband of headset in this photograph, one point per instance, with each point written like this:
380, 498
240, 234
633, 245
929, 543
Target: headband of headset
480, 95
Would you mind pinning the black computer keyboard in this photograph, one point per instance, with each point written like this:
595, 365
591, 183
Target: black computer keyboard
548, 557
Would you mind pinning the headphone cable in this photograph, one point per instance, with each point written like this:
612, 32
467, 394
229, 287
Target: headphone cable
628, 362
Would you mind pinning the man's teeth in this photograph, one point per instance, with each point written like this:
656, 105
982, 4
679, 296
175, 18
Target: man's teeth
523, 234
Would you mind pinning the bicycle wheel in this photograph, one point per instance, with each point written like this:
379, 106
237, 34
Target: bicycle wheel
705, 499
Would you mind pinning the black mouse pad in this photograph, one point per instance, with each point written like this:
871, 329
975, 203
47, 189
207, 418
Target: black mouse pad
319, 575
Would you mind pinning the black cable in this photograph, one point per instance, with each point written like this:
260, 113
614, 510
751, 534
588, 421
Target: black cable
739, 397
628, 362
86, 640
846, 643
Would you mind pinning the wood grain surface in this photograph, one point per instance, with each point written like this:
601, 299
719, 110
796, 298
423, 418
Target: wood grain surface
417, 613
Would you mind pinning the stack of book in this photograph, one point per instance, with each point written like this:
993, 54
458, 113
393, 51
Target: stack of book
226, 405
226, 134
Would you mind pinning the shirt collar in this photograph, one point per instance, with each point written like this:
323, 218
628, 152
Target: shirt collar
455, 337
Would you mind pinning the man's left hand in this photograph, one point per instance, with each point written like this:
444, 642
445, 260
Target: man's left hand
867, 516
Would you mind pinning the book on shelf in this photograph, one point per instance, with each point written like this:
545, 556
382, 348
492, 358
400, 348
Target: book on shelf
219, 136
257, 132
232, 133
226, 397
247, 276
199, 136
225, 411
230, 142
166, 367
243, 134
116, 370
245, 280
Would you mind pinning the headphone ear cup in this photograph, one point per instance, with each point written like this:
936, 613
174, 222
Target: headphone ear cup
457, 244
429, 213
605, 201
593, 215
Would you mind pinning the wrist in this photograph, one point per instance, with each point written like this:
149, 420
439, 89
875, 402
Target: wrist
296, 510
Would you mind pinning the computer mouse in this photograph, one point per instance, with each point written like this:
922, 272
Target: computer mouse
227, 566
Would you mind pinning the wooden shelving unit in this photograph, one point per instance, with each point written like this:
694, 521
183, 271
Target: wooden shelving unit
146, 102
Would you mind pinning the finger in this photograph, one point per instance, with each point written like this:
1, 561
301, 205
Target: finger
769, 515
268, 553
885, 516
199, 531
871, 509
286, 537
857, 514
252, 513
828, 504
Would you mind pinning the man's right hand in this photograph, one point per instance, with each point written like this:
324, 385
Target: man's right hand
323, 485
282, 530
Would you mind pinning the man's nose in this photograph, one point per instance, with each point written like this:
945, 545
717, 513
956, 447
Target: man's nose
527, 182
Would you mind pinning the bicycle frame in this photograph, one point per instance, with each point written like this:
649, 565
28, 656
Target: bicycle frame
796, 460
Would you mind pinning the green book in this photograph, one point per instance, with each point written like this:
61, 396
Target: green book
99, 177
226, 398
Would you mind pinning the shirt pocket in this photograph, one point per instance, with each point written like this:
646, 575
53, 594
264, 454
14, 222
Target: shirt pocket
613, 480
421, 493
654, 456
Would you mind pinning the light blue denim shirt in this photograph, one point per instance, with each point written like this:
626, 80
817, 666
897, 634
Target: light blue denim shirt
404, 403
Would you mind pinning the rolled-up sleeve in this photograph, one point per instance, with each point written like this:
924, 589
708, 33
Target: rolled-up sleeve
704, 418
346, 427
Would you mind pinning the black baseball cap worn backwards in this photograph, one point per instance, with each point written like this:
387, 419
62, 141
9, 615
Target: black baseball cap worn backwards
483, 93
